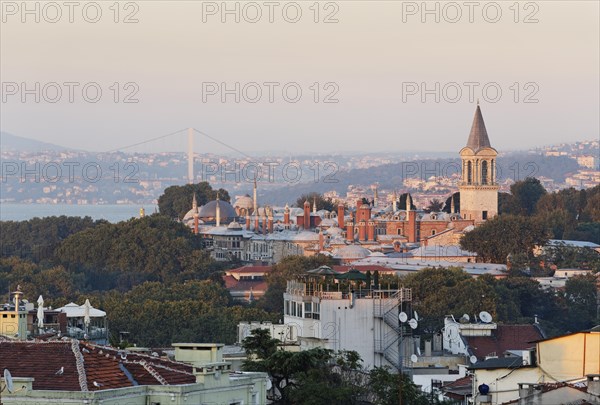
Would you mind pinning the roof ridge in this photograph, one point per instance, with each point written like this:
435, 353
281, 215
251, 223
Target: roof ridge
80, 366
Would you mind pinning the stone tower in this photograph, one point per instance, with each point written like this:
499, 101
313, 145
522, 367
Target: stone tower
478, 187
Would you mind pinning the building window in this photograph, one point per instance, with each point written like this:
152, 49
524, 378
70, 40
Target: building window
484, 214
469, 172
432, 232
484, 172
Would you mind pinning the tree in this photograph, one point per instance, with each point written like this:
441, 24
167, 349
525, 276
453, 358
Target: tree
322, 202
38, 238
386, 388
315, 376
506, 203
260, 344
122, 255
581, 303
176, 201
435, 205
448, 203
498, 237
526, 194
402, 202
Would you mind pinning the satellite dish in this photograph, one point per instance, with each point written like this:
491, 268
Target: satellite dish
269, 384
414, 358
403, 317
218, 374
466, 317
473, 359
413, 323
8, 380
416, 315
485, 317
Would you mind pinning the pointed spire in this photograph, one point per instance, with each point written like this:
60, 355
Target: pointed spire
315, 205
408, 202
194, 203
478, 138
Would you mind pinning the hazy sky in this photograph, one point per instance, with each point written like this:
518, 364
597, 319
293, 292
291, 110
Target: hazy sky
377, 60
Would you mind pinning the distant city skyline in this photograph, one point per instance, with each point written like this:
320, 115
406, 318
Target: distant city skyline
378, 60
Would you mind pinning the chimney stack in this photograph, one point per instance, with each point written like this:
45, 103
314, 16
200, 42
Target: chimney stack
341, 215
286, 217
350, 231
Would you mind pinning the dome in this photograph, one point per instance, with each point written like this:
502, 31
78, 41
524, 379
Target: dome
244, 202
234, 226
352, 252
209, 210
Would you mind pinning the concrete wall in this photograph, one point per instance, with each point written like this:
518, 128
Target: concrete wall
570, 356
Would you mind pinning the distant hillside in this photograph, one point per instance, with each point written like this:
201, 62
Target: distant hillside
13, 142
515, 166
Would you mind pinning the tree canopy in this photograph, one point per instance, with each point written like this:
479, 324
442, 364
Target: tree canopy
322, 202
505, 235
176, 201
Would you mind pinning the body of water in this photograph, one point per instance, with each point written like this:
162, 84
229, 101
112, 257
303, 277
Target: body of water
109, 212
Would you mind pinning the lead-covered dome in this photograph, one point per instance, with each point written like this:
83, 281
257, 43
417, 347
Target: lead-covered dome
209, 211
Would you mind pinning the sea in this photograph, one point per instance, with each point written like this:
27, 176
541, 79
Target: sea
109, 212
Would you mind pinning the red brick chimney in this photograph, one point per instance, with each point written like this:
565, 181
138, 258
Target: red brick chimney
270, 223
341, 216
412, 226
371, 231
256, 221
306, 215
248, 220
362, 232
350, 231
321, 241
264, 224
286, 217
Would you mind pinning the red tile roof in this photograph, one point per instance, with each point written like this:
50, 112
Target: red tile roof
244, 285
107, 367
251, 269
506, 337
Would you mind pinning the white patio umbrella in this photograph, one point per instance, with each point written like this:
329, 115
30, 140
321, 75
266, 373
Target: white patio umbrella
86, 312
40, 312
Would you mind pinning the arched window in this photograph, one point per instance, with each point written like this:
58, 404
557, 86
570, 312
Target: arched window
493, 176
432, 232
469, 172
484, 172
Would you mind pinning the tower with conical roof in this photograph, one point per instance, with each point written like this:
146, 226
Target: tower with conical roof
478, 187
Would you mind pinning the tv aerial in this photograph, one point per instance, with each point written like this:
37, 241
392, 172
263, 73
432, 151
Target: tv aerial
485, 317
403, 317
413, 323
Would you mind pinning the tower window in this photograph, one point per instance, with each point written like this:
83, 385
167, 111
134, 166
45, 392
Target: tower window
484, 214
469, 172
484, 172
